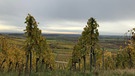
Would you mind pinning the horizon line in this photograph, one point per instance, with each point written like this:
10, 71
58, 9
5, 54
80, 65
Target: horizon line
60, 33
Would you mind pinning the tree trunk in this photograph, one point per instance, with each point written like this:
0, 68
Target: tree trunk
26, 68
84, 59
16, 66
2, 64
30, 62
91, 59
9, 66
94, 59
103, 59
79, 64
37, 60
42, 64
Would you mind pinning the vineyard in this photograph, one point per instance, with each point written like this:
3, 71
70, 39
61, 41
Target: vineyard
88, 54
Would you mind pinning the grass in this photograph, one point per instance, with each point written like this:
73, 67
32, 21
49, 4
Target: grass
49, 73
118, 72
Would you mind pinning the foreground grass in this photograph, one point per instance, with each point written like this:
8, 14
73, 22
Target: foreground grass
49, 73
118, 72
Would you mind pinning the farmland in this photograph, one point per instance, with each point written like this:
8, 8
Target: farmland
62, 47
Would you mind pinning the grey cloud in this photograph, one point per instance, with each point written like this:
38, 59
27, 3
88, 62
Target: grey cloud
103, 10
49, 11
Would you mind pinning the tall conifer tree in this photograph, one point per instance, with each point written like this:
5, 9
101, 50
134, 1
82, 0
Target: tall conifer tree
92, 35
88, 41
33, 40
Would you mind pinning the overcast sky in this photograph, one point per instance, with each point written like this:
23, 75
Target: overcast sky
68, 16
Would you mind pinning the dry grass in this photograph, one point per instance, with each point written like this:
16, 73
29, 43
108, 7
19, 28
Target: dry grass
118, 72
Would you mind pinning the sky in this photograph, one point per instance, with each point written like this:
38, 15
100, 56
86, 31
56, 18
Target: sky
115, 17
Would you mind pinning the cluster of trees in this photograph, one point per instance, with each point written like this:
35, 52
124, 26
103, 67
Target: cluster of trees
87, 48
11, 56
34, 55
126, 55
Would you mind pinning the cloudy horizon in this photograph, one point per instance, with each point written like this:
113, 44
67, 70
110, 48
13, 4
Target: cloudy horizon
115, 17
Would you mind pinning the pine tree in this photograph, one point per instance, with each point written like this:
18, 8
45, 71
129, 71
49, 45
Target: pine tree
35, 42
92, 35
88, 41
90, 38
33, 37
